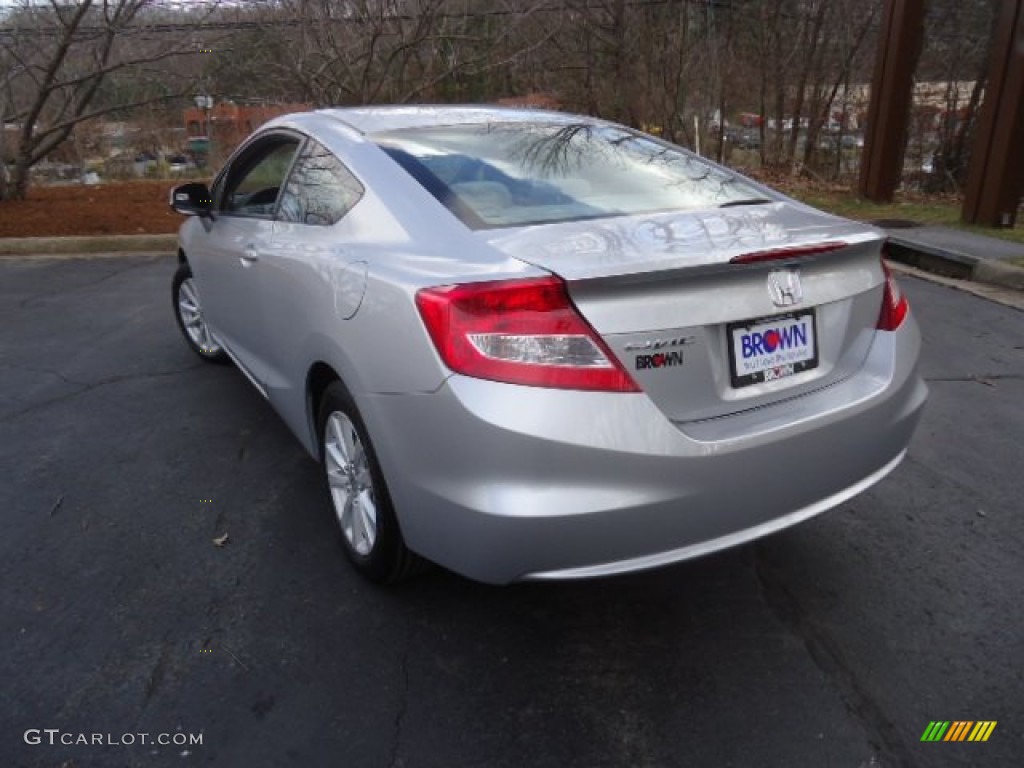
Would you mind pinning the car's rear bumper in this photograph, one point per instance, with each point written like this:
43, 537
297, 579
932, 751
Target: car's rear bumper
501, 482
733, 539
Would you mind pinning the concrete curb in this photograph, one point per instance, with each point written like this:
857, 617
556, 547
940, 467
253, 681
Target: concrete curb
50, 246
952, 263
997, 273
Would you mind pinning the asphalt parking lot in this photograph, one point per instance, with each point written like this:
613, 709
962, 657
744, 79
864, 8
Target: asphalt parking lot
124, 457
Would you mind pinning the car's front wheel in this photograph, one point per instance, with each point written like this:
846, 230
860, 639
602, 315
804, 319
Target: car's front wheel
188, 311
369, 529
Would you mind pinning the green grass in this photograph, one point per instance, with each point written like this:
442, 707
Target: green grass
923, 210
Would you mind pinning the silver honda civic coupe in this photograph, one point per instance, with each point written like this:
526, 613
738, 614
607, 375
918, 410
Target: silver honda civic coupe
536, 345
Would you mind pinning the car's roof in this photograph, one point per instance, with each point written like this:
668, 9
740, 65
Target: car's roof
391, 118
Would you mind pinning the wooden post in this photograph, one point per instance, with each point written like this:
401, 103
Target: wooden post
891, 97
995, 178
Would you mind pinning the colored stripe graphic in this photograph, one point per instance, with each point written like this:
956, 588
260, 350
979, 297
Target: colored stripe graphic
982, 730
935, 730
958, 730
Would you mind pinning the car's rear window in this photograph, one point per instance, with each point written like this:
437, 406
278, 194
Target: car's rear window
516, 174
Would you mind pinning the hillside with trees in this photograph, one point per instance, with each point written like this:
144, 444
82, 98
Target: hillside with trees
775, 85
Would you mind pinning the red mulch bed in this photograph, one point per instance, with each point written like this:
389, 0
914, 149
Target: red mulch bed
115, 208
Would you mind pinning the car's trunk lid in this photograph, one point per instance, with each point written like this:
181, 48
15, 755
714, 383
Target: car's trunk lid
719, 311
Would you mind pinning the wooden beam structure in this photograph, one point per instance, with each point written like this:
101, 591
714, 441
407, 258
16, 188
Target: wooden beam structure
995, 177
892, 86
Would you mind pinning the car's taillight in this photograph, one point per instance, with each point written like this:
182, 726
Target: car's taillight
519, 332
894, 304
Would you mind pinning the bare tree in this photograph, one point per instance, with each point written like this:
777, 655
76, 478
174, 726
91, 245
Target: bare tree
845, 53
372, 51
70, 62
653, 64
957, 40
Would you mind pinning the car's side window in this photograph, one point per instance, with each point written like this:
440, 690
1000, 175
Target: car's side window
254, 182
320, 189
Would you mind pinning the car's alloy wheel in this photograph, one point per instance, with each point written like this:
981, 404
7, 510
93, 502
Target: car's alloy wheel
188, 311
348, 477
192, 316
362, 505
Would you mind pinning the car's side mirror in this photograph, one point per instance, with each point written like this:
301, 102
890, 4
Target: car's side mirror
192, 200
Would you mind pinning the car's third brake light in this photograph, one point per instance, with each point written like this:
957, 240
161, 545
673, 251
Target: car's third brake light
520, 332
894, 304
782, 254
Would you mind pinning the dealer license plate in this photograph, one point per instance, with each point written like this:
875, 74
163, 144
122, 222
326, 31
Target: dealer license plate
772, 348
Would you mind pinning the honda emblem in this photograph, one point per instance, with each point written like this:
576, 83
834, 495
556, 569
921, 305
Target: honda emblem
784, 288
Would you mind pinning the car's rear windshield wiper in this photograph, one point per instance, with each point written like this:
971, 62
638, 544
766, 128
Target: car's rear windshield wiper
747, 201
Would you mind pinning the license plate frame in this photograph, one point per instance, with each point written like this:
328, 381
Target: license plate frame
782, 368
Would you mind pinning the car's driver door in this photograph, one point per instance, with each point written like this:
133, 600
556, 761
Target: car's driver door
228, 262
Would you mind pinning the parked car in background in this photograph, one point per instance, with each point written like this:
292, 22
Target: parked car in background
744, 138
852, 141
835, 141
533, 345
178, 163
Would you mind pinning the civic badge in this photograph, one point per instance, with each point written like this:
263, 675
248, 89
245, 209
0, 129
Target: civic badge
784, 287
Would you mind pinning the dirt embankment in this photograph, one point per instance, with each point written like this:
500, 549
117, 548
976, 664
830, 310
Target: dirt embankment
117, 208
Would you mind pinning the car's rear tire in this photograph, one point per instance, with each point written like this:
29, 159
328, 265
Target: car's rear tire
359, 496
188, 312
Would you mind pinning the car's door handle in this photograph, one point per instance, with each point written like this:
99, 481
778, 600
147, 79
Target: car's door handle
249, 257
